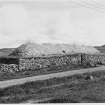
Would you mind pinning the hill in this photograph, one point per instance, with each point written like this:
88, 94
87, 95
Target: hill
32, 49
101, 48
6, 51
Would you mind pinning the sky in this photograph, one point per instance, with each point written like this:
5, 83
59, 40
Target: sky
52, 21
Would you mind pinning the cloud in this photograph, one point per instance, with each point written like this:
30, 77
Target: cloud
19, 23
14, 19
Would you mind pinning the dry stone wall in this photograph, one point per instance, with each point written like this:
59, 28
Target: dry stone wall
24, 64
9, 68
44, 62
92, 60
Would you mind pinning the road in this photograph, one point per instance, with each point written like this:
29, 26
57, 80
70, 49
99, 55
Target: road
8, 83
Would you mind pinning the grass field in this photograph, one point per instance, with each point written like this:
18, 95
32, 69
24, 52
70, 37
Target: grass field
75, 88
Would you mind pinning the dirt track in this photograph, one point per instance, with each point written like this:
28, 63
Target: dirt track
12, 82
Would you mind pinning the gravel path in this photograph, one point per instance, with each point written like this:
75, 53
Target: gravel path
12, 82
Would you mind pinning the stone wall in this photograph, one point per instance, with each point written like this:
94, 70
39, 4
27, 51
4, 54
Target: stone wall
44, 62
9, 68
24, 64
92, 60
9, 64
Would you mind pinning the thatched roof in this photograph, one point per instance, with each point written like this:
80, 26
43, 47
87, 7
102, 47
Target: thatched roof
33, 50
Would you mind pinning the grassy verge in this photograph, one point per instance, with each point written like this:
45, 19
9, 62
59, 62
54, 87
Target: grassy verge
75, 88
